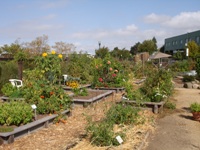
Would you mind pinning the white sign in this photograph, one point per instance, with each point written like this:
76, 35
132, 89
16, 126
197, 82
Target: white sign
33, 106
119, 139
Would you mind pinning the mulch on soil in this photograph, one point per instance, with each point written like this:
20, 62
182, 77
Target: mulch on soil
71, 135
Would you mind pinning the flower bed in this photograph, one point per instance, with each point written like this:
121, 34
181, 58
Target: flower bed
9, 137
70, 88
93, 96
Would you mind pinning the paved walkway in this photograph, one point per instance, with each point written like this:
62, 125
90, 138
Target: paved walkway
178, 131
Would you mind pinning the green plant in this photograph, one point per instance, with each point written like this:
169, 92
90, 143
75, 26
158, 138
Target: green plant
10, 91
21, 113
80, 91
107, 73
122, 114
187, 78
158, 85
76, 64
197, 66
195, 107
170, 105
41, 85
102, 134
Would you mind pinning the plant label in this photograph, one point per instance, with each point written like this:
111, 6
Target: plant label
33, 106
119, 139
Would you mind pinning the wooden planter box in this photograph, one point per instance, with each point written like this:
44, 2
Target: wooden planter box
9, 137
156, 107
120, 89
100, 95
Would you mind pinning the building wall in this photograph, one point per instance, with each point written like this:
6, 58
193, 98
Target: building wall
176, 43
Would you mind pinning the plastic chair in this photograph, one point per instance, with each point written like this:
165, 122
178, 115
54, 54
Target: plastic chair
16, 83
65, 77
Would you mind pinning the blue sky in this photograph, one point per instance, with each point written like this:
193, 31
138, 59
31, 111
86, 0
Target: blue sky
115, 23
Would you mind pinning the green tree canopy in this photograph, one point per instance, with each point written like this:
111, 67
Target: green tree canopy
193, 49
147, 46
120, 53
134, 49
101, 52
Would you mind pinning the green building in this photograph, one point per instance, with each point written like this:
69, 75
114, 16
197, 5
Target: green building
179, 43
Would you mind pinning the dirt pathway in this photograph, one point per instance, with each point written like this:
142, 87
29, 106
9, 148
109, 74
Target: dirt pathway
178, 131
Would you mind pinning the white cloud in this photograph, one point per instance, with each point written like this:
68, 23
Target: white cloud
154, 18
128, 30
184, 20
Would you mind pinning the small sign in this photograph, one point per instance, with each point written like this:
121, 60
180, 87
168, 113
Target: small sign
33, 106
119, 139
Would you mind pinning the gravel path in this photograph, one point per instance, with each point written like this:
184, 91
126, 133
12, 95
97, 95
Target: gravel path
178, 131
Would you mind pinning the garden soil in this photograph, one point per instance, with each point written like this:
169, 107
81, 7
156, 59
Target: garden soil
176, 130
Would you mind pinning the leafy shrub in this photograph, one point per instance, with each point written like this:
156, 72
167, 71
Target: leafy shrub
9, 70
180, 66
119, 114
107, 73
21, 113
197, 66
102, 133
76, 65
40, 85
158, 85
10, 91
195, 107
80, 91
170, 105
187, 78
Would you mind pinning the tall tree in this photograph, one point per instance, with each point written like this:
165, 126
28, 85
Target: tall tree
147, 46
38, 46
155, 42
63, 48
134, 49
193, 49
101, 52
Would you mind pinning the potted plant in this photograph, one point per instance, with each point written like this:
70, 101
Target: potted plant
195, 109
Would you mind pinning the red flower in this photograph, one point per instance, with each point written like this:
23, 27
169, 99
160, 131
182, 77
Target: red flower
114, 75
100, 80
42, 96
110, 69
51, 93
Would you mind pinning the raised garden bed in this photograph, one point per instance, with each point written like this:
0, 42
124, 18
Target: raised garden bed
9, 137
156, 107
5, 98
120, 89
93, 96
82, 86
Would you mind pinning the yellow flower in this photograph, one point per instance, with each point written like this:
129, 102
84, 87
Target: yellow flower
44, 54
60, 56
53, 52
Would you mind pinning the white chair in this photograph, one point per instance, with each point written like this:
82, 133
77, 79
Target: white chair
16, 82
65, 77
